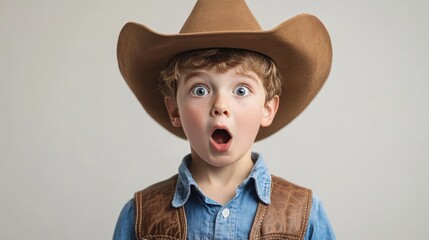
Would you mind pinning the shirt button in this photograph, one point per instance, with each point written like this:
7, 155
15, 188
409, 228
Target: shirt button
225, 212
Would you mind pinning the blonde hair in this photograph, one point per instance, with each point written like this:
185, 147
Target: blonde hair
221, 59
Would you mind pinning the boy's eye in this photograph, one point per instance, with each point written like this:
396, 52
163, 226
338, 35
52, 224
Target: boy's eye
241, 91
199, 91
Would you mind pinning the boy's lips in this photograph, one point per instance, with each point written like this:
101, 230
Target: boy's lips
220, 139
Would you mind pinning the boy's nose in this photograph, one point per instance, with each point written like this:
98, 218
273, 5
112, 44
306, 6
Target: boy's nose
219, 108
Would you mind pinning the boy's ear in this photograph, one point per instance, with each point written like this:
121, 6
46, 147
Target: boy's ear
173, 111
270, 111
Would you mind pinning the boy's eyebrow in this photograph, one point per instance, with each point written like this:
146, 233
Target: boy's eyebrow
252, 77
195, 73
190, 74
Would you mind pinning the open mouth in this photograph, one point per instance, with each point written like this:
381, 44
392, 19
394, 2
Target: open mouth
221, 136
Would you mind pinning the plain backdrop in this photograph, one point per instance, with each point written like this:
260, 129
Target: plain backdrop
75, 144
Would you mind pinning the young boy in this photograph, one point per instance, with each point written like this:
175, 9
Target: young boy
225, 84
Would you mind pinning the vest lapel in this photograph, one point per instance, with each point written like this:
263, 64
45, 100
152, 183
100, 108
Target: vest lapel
155, 217
287, 215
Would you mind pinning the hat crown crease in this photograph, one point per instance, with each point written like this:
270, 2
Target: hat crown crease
220, 15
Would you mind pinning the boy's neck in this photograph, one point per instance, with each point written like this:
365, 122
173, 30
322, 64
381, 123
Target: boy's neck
220, 183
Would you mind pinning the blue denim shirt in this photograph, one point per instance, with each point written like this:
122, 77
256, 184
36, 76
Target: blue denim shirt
207, 219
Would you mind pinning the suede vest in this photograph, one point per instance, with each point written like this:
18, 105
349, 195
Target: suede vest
285, 218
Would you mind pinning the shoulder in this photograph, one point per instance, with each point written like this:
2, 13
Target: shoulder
161, 192
285, 184
319, 226
150, 197
318, 213
124, 229
283, 189
156, 194
317, 206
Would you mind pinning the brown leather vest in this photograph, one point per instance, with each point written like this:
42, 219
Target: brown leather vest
285, 218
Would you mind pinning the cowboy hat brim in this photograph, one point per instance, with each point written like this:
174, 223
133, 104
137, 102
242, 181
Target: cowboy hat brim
300, 47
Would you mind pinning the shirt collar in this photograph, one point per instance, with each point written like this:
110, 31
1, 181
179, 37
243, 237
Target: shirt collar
259, 173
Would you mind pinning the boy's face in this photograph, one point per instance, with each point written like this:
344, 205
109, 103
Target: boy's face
221, 113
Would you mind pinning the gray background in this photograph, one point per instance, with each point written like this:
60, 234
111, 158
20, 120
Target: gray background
75, 144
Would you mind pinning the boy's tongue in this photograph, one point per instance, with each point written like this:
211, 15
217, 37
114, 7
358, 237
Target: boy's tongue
221, 136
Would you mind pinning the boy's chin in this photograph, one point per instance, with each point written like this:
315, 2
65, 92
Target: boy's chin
219, 159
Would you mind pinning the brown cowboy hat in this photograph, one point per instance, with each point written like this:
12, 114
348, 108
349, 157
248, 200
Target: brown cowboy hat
300, 47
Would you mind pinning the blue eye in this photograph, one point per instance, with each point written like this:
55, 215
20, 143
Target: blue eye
199, 91
241, 91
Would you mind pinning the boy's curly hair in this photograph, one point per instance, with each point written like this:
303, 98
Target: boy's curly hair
221, 59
